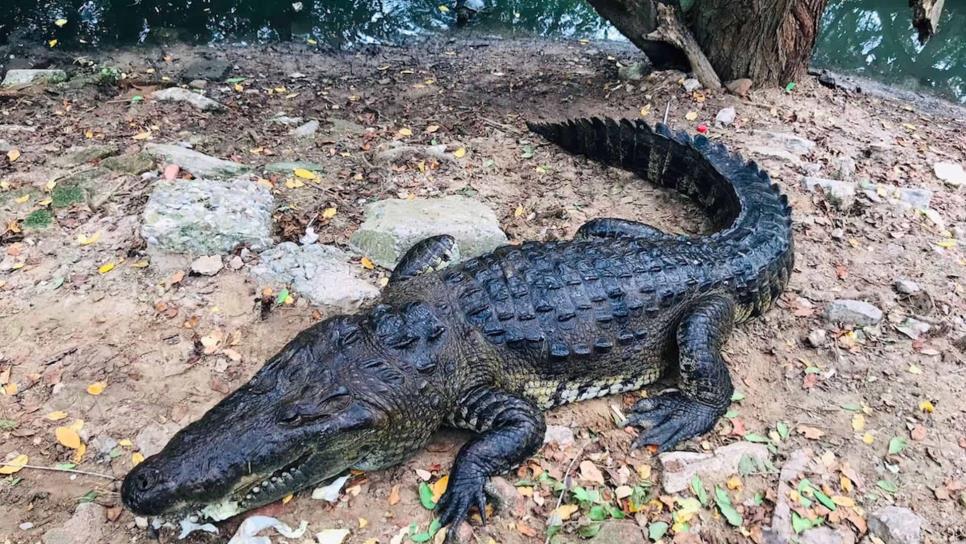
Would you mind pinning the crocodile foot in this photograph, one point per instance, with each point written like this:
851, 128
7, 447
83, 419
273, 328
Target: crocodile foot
454, 506
671, 418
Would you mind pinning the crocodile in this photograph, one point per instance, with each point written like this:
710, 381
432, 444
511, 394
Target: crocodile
489, 343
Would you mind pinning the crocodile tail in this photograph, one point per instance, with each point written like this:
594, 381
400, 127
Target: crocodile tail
748, 211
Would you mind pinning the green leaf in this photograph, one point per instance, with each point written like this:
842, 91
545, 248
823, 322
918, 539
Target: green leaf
234, 80
597, 513
852, 407
723, 501
897, 444
747, 465
887, 486
826, 501
589, 531
757, 438
800, 524
615, 512
783, 431
581, 494
426, 496
731, 414
137, 99
698, 488
282, 295
90, 496
790, 87
116, 452
65, 466
657, 530
737, 396
526, 152
7, 424
426, 535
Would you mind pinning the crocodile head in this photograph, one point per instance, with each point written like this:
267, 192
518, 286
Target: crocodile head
331, 400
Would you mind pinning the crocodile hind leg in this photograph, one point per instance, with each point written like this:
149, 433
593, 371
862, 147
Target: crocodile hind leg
433, 253
607, 227
704, 386
510, 430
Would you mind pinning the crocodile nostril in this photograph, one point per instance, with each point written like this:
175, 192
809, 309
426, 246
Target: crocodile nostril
146, 480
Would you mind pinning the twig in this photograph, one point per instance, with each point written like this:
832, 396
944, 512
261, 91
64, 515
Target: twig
564, 489
667, 109
55, 469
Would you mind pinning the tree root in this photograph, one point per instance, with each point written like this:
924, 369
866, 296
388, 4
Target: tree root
671, 30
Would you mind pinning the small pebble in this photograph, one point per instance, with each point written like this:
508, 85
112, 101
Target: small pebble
817, 338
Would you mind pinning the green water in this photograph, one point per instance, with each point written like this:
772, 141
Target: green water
869, 37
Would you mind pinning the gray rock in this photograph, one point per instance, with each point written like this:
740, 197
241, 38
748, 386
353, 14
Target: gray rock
906, 286
739, 87
306, 130
913, 328
826, 535
393, 226
198, 84
103, 444
691, 85
950, 173
5, 146
199, 164
236, 263
781, 531
780, 145
844, 167
817, 337
342, 128
559, 434
77, 156
839, 193
896, 525
287, 121
856, 312
506, 497
725, 117
680, 466
631, 72
618, 531
205, 217
916, 197
131, 163
85, 526
208, 265
177, 94
17, 78
152, 438
208, 69
287, 168
322, 274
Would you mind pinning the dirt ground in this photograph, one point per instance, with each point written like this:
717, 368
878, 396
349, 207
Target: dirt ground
67, 323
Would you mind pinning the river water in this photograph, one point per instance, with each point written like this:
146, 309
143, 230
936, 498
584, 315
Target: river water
873, 38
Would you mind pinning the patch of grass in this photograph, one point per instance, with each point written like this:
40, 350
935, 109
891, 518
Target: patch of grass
38, 219
65, 195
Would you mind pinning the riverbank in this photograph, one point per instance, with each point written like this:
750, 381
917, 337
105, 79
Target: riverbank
96, 327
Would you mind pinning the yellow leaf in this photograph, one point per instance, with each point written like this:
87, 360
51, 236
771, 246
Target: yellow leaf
77, 425
49, 186
143, 263
96, 388
646, 110
460, 153
564, 511
125, 442
405, 132
21, 199
443, 9
14, 465
89, 134
60, 22
287, 498
79, 453
305, 174
13, 155
914, 369
519, 212
238, 87
45, 202
363, 522
136, 458
52, 43
383, 281
948, 243
105, 268
68, 437
294, 183
842, 500
56, 416
88, 240
431, 129
142, 135
310, 41
868, 438
926, 406
329, 213
691, 115
858, 422
367, 263
734, 483
439, 488
10, 389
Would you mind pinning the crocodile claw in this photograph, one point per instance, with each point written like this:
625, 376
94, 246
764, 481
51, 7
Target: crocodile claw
671, 418
454, 506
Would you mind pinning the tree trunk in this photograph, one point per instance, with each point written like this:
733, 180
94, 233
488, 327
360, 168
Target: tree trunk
925, 17
636, 19
767, 41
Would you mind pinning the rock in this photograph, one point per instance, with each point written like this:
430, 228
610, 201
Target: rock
207, 69
780, 145
102, 445
680, 466
5, 146
906, 286
840, 193
236, 263
559, 434
322, 274
781, 531
17, 78
916, 197
199, 164
77, 156
306, 130
198, 84
506, 497
287, 121
632, 72
209, 265
826, 535
85, 526
856, 312
152, 438
844, 167
342, 128
616, 531
177, 94
691, 84
725, 117
951, 173
913, 328
131, 163
739, 87
205, 217
817, 337
287, 168
393, 226
896, 525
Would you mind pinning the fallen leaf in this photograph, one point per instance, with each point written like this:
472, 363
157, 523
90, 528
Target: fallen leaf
691, 115
105, 268
14, 465
13, 155
460, 153
22, 199
88, 240
868, 438
858, 422
432, 128
136, 458
305, 174
96, 388
405, 132
564, 511
294, 183
68, 437
367, 263
331, 536
439, 488
811, 432
394, 495
926, 406
142, 135
590, 473
56, 416
329, 213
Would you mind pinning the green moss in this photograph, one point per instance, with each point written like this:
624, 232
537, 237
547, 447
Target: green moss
65, 195
38, 219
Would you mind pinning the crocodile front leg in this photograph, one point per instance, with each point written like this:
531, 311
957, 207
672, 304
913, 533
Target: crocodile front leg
433, 253
607, 227
511, 429
704, 387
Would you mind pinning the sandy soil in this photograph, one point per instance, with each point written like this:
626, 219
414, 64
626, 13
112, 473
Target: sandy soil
64, 325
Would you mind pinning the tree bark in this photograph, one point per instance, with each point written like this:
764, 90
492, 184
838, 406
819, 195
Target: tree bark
636, 19
925, 17
767, 41
671, 30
